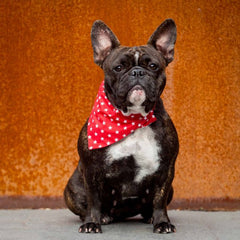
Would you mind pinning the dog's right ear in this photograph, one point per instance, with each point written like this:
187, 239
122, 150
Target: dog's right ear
103, 41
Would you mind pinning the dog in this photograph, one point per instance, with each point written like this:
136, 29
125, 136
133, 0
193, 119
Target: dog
128, 145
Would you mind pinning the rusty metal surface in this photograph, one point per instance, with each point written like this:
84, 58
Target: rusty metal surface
49, 82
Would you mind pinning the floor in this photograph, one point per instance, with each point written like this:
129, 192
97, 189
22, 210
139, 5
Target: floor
62, 224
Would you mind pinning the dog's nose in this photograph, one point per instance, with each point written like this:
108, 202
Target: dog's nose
137, 72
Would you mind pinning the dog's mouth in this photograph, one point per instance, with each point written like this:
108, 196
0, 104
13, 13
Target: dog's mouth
138, 99
136, 95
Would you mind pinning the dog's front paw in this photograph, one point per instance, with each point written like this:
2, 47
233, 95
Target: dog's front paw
90, 227
164, 227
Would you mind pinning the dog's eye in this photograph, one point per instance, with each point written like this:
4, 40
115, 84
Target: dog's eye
153, 66
118, 68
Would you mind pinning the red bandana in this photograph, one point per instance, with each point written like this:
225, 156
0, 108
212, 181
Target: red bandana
107, 125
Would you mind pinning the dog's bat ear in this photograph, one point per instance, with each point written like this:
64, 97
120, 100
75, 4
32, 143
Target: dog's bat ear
164, 38
103, 41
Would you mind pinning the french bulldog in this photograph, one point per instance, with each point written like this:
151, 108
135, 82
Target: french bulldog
128, 145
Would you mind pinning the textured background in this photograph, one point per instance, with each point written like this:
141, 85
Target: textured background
48, 83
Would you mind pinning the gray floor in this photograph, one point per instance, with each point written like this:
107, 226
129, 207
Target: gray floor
62, 224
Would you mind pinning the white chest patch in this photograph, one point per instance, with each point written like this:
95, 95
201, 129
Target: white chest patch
143, 147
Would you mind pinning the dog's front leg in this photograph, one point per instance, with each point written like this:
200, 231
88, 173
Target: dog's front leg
161, 222
92, 221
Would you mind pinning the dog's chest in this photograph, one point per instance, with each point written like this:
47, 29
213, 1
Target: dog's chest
142, 146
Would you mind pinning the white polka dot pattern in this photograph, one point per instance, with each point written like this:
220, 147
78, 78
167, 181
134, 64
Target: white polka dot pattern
107, 125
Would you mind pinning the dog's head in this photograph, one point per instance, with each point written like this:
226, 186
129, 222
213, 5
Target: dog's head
134, 76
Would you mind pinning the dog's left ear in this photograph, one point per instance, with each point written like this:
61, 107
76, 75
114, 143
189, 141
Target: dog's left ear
103, 41
164, 38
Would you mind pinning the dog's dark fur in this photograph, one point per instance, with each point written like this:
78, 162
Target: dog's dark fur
101, 191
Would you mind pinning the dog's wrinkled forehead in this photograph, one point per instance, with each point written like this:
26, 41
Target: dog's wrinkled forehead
135, 55
148, 53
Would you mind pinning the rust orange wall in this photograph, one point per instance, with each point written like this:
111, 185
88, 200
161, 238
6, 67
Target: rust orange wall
48, 83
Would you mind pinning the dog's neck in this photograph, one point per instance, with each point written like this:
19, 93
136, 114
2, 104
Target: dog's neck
107, 124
